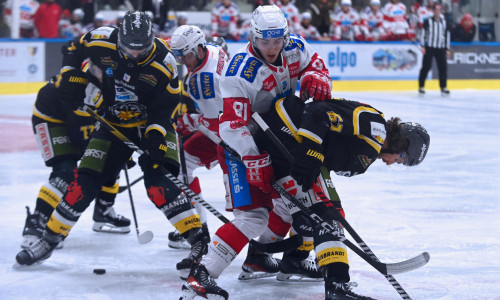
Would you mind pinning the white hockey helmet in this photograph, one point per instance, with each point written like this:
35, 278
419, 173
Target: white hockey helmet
375, 2
186, 39
78, 12
268, 22
346, 3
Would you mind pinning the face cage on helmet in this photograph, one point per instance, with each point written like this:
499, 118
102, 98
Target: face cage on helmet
127, 51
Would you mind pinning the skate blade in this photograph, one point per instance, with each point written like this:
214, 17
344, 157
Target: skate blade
296, 278
109, 228
179, 245
244, 275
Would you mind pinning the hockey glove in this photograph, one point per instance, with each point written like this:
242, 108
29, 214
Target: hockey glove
307, 165
188, 124
260, 172
156, 146
315, 85
70, 87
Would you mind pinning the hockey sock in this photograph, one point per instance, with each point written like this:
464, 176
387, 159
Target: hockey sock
276, 229
202, 212
331, 254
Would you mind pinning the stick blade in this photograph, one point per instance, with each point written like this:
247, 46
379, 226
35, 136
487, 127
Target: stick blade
145, 237
408, 265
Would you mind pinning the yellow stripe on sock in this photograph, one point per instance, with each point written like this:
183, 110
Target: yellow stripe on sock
111, 189
49, 196
190, 222
58, 227
332, 255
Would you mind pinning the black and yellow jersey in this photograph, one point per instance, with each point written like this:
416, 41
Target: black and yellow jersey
136, 93
351, 133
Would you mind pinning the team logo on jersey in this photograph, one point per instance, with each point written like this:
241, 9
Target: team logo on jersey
235, 64
364, 160
107, 61
294, 69
207, 85
126, 77
378, 132
269, 83
149, 79
193, 87
249, 71
295, 43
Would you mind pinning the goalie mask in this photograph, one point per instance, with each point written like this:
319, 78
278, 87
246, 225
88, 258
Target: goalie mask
136, 36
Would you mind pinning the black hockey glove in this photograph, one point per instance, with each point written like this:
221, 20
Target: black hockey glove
308, 160
70, 87
156, 146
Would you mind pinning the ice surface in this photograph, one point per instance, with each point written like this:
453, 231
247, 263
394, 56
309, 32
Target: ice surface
448, 206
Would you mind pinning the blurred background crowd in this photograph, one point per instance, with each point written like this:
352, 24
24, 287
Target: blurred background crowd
327, 20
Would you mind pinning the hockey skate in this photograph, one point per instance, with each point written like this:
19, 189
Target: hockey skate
199, 247
107, 220
39, 250
199, 283
297, 269
33, 230
259, 265
342, 291
445, 92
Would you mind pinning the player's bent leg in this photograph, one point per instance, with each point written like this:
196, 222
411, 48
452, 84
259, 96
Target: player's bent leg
260, 264
77, 198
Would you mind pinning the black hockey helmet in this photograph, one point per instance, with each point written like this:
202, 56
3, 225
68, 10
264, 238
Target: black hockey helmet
136, 36
418, 142
218, 41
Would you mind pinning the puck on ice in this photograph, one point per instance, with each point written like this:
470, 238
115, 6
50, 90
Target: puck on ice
99, 271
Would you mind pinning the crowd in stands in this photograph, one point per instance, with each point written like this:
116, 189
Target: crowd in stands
327, 20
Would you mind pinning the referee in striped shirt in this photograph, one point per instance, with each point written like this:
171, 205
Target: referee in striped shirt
435, 41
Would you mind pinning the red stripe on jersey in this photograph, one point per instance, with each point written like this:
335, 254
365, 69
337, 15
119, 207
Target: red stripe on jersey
236, 110
232, 236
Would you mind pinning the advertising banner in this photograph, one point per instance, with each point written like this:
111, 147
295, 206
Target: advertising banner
22, 61
473, 62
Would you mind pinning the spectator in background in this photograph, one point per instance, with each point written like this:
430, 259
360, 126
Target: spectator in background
98, 22
242, 28
306, 29
395, 22
372, 22
320, 11
27, 12
224, 19
291, 14
72, 27
345, 23
182, 19
47, 19
465, 31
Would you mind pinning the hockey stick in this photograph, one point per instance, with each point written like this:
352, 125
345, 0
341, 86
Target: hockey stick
124, 188
385, 269
189, 193
146, 236
344, 222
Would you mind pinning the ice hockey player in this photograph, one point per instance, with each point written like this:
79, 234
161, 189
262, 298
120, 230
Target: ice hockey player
341, 136
204, 63
267, 69
139, 87
63, 134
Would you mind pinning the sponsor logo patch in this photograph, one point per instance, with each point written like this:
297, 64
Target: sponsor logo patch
207, 85
149, 78
249, 71
193, 87
235, 64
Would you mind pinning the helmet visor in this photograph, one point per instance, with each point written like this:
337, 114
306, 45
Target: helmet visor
137, 54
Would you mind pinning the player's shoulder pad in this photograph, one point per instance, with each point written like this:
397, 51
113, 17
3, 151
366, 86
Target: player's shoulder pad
101, 33
295, 42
